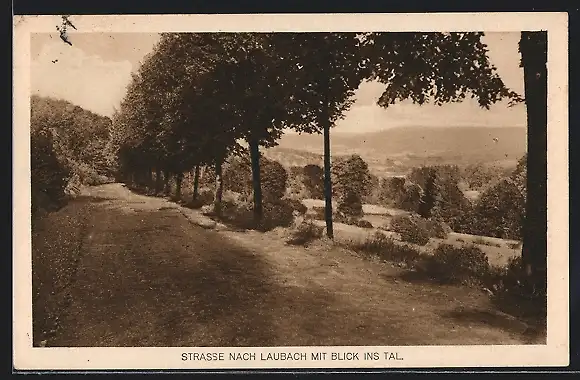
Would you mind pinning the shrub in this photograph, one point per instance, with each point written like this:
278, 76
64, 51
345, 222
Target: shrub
318, 213
350, 205
437, 228
388, 249
464, 265
49, 175
364, 224
410, 230
205, 197
515, 294
306, 232
87, 175
277, 213
513, 275
238, 177
351, 181
296, 205
313, 180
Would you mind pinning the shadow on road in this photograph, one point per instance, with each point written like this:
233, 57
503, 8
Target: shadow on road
500, 320
151, 278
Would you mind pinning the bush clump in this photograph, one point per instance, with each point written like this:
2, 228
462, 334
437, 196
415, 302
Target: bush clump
388, 249
411, 230
467, 265
296, 205
438, 228
350, 205
305, 233
205, 197
49, 175
364, 223
275, 213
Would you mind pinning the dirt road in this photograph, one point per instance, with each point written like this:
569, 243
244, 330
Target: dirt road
114, 268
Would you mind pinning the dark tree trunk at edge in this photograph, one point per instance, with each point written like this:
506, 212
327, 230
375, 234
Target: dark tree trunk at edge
196, 183
256, 181
158, 180
327, 180
166, 177
219, 187
178, 182
533, 48
149, 178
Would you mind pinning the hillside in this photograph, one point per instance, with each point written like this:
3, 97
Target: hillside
396, 150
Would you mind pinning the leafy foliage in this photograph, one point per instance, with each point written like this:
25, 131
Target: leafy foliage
500, 211
412, 230
199, 95
314, 181
238, 177
304, 233
387, 249
463, 265
352, 182
68, 149
48, 174
438, 67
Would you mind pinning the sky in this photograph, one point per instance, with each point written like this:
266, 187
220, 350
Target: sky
95, 71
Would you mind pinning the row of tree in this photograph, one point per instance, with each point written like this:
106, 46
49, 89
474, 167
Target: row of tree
199, 97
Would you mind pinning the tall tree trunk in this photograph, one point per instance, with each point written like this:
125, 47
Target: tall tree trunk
256, 181
219, 187
141, 178
178, 182
166, 178
158, 180
149, 178
533, 48
327, 179
196, 183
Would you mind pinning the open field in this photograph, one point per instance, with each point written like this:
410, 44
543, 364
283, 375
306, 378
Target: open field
498, 251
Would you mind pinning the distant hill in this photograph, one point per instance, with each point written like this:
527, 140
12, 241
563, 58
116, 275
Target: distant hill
396, 150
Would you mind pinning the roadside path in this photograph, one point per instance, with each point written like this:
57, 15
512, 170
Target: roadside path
144, 275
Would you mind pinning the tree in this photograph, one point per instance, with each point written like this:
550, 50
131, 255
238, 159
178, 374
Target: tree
274, 179
412, 195
238, 177
442, 198
533, 49
352, 182
328, 67
431, 195
500, 211
373, 195
438, 67
324, 70
314, 180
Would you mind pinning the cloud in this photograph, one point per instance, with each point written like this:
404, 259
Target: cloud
67, 72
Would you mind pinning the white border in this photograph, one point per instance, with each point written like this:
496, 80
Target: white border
555, 353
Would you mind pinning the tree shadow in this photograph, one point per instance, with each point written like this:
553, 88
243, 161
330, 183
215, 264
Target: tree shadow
531, 310
506, 322
146, 281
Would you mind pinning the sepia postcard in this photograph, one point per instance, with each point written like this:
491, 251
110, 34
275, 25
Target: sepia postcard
284, 191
